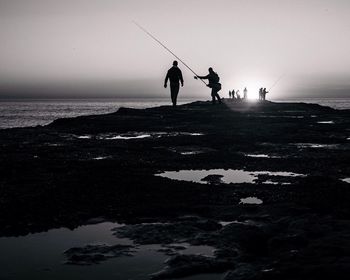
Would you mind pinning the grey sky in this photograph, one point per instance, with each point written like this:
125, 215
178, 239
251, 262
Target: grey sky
91, 47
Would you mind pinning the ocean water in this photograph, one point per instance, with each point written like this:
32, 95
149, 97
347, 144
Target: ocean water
336, 103
42, 112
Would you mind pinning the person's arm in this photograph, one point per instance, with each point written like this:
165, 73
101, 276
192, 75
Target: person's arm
181, 78
202, 77
166, 79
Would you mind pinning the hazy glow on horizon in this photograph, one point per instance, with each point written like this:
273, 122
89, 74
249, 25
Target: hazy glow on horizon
91, 47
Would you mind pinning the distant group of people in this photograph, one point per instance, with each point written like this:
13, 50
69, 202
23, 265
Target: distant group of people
174, 75
236, 95
262, 93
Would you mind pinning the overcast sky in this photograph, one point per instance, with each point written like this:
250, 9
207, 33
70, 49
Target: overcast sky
92, 48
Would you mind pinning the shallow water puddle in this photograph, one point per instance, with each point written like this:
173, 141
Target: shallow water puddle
250, 200
346, 180
314, 145
120, 137
40, 256
132, 135
260, 156
101, 158
185, 248
191, 153
234, 176
326, 122
84, 137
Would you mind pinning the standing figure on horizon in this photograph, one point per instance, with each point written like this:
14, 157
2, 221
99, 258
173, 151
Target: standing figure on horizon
214, 84
238, 95
233, 94
264, 94
245, 94
260, 93
175, 76
229, 94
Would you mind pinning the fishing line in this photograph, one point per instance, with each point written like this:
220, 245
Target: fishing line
165, 47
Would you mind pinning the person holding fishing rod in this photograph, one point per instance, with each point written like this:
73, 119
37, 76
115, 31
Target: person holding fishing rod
175, 76
214, 84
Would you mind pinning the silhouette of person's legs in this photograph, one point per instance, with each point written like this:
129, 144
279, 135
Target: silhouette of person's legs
174, 90
215, 95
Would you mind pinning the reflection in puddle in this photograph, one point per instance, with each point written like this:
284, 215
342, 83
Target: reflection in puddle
246, 222
191, 153
251, 200
190, 150
313, 145
40, 255
269, 182
226, 176
257, 156
101, 158
347, 180
120, 137
260, 156
139, 135
326, 122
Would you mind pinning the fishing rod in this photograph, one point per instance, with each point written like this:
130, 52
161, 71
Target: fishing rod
280, 78
165, 47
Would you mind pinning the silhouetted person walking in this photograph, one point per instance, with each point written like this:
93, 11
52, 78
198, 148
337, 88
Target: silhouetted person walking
260, 93
175, 76
214, 84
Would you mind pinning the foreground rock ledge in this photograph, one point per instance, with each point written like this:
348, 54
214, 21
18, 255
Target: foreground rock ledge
73, 170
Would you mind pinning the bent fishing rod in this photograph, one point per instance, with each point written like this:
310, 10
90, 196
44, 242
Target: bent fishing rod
165, 47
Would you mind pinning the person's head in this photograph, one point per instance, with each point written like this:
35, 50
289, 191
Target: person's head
210, 70
175, 63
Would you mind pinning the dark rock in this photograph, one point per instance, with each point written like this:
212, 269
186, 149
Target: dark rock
288, 242
250, 238
166, 233
242, 272
187, 265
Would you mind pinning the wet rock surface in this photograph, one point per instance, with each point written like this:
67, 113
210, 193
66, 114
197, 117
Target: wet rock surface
95, 254
186, 265
166, 233
51, 178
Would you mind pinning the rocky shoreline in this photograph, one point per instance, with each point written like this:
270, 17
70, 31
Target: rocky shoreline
73, 170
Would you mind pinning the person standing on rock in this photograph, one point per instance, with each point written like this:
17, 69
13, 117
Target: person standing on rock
245, 94
175, 76
233, 94
214, 84
260, 93
264, 94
